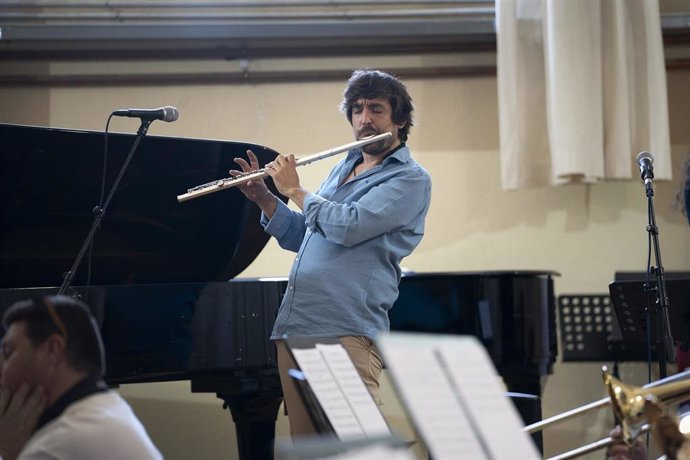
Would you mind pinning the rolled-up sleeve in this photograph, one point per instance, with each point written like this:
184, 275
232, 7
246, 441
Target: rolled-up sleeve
287, 226
389, 206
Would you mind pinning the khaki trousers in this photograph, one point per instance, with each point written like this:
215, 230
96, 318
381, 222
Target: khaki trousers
366, 360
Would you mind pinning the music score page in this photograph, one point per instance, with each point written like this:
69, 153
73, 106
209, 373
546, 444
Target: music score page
454, 397
341, 392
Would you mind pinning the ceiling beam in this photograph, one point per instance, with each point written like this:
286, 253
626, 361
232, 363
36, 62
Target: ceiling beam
267, 39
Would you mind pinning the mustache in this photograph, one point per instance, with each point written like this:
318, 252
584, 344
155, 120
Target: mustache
367, 132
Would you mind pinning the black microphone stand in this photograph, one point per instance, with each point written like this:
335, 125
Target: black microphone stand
99, 211
665, 344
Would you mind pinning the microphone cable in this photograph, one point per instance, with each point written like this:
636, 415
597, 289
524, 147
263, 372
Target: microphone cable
97, 209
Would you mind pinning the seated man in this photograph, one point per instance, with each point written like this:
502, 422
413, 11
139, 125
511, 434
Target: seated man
52, 356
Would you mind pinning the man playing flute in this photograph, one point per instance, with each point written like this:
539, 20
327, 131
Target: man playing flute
350, 235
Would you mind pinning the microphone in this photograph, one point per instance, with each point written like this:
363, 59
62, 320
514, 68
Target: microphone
167, 113
645, 160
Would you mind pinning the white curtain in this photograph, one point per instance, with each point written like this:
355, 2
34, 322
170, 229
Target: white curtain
581, 90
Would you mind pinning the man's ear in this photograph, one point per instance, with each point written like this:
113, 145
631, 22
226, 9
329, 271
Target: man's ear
54, 348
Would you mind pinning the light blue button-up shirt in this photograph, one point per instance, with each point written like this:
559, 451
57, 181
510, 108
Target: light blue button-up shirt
349, 241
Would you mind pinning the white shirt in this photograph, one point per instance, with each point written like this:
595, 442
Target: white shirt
100, 426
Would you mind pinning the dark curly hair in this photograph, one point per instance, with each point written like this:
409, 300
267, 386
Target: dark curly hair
372, 84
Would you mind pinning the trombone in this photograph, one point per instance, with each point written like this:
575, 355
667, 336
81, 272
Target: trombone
630, 405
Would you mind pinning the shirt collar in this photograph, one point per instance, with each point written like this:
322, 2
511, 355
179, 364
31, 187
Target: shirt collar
82, 389
401, 153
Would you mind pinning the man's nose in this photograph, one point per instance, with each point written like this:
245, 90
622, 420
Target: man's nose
365, 116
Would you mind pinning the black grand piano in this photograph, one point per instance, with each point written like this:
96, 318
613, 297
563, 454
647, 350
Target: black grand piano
161, 275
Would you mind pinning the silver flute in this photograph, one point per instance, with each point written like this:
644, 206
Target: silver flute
229, 182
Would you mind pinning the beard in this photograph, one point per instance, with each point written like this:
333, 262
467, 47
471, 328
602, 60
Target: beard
375, 148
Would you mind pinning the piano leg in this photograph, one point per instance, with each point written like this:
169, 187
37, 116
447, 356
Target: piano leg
527, 400
254, 415
253, 403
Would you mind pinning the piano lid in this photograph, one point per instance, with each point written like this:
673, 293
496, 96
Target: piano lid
50, 181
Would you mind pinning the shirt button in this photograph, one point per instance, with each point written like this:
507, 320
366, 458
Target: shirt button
290, 288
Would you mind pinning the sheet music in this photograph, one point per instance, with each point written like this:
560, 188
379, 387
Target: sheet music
452, 392
431, 402
355, 391
340, 391
470, 367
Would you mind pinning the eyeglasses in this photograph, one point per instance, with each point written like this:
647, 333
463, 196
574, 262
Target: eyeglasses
55, 317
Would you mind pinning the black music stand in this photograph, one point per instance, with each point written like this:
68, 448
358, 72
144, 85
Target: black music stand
316, 413
589, 331
630, 301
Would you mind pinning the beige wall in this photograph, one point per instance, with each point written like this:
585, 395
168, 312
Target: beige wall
585, 232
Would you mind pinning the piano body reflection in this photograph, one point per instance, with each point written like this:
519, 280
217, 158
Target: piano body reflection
162, 273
